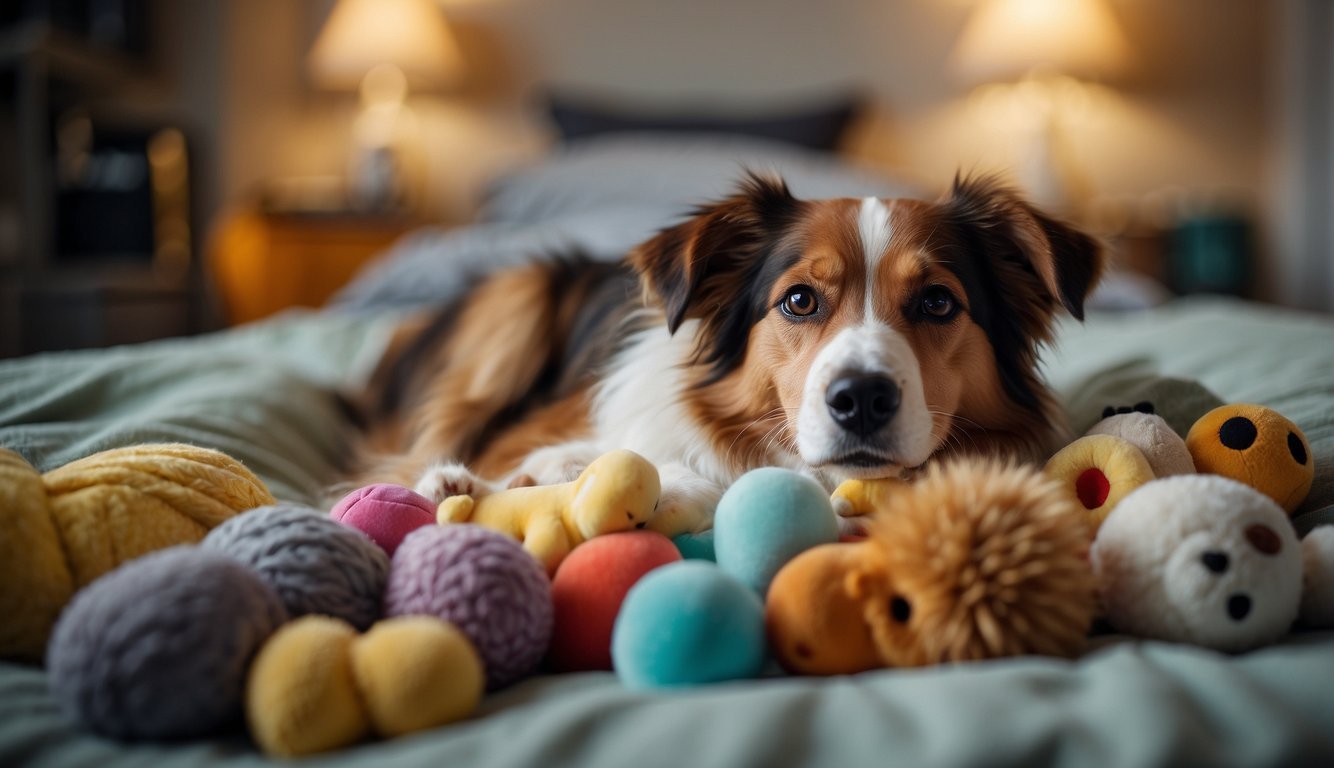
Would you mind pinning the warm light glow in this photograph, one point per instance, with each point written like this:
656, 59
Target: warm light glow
410, 35
1010, 39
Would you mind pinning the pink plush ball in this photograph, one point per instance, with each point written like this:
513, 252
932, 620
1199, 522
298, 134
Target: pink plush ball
386, 513
588, 590
482, 582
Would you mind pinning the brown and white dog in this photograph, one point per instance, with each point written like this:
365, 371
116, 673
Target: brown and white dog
843, 338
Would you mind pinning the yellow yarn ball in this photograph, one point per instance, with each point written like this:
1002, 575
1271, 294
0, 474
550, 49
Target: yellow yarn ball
301, 694
35, 581
417, 672
73, 524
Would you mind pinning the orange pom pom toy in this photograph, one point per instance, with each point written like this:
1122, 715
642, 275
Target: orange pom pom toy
979, 560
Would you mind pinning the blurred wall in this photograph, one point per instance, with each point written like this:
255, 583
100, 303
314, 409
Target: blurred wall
1187, 129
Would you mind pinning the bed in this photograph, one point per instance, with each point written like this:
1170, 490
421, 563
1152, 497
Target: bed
268, 394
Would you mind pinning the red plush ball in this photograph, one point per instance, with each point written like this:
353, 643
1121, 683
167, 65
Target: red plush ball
386, 513
588, 589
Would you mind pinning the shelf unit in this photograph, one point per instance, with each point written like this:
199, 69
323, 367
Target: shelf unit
49, 301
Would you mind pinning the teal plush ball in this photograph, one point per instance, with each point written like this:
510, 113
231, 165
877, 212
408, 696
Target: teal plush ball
688, 623
766, 518
695, 546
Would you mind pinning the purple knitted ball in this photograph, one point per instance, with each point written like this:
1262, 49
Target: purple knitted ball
482, 582
159, 647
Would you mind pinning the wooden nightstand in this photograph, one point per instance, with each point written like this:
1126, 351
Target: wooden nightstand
265, 262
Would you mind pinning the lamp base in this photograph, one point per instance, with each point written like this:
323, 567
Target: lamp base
375, 179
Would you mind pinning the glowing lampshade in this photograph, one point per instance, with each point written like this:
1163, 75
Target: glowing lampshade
1006, 40
409, 35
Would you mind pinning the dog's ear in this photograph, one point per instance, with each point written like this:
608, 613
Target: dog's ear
717, 267
1067, 261
697, 265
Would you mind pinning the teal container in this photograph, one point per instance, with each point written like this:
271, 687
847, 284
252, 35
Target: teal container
1211, 254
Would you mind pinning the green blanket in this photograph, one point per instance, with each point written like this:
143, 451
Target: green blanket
265, 394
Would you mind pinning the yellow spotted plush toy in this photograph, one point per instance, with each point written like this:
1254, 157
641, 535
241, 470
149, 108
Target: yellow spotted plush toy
1257, 446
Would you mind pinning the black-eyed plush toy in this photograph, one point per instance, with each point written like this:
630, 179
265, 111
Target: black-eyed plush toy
1206, 560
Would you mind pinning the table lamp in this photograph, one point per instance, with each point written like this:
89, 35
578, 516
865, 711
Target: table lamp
383, 48
1043, 45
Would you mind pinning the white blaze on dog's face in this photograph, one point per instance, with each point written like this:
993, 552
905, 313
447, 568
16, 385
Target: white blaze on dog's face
863, 411
862, 335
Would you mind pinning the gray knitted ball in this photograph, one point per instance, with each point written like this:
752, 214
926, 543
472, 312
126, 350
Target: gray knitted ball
159, 648
316, 564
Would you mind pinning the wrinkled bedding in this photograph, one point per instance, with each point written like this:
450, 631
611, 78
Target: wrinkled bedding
267, 394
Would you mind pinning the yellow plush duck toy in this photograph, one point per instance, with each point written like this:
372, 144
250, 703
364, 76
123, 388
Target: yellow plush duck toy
617, 492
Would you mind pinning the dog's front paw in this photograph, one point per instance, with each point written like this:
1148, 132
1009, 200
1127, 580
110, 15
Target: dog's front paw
441, 481
686, 504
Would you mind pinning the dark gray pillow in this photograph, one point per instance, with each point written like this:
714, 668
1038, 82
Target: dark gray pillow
820, 126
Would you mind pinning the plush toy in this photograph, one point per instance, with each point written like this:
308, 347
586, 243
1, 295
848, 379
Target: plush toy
617, 492
1317, 606
688, 623
1150, 433
315, 564
588, 590
1257, 446
978, 560
158, 648
696, 546
766, 518
386, 513
814, 624
974, 560
482, 582
855, 500
1201, 559
316, 685
1097, 471
69, 526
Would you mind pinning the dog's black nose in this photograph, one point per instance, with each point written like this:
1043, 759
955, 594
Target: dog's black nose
861, 403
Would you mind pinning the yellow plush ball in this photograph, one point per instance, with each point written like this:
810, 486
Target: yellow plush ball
69, 526
301, 695
1257, 446
316, 685
1098, 471
417, 672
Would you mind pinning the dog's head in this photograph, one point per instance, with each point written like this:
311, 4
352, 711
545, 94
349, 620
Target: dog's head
881, 328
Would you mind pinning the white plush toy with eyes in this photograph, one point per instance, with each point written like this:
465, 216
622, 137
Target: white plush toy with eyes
1207, 560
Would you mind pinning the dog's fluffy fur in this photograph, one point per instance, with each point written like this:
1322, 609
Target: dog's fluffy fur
731, 341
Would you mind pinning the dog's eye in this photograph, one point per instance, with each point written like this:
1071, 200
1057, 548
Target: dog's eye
799, 301
937, 303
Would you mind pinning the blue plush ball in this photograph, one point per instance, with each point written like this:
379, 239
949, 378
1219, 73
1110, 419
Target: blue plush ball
695, 546
688, 623
766, 518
